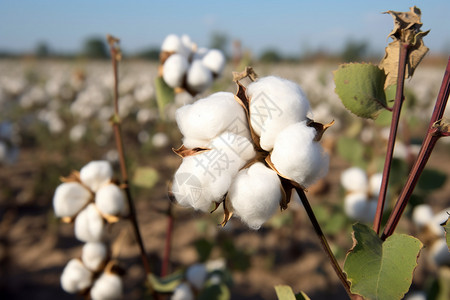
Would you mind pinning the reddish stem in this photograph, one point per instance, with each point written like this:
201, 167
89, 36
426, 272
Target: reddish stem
403, 55
168, 245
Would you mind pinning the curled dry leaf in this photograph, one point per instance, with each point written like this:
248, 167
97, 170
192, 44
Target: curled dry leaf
441, 127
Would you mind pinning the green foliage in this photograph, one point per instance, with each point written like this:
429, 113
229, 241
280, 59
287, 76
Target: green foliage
164, 95
204, 248
166, 284
354, 51
431, 179
381, 270
352, 150
284, 292
96, 48
361, 89
215, 292
145, 177
270, 56
447, 232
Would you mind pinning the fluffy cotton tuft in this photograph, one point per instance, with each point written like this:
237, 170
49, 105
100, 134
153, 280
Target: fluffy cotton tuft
196, 275
375, 184
69, 198
75, 277
199, 77
182, 292
209, 117
94, 255
107, 287
439, 252
110, 200
297, 156
173, 43
275, 103
354, 180
422, 215
255, 195
356, 206
89, 225
174, 70
96, 174
214, 60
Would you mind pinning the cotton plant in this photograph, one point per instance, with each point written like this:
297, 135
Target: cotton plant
248, 151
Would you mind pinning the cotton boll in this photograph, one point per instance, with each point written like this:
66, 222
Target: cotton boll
89, 225
375, 184
199, 78
200, 53
75, 277
160, 140
297, 156
354, 180
69, 198
422, 215
215, 61
255, 194
94, 255
77, 132
439, 252
174, 70
442, 216
110, 200
196, 275
107, 287
182, 292
188, 45
96, 173
275, 103
172, 43
356, 206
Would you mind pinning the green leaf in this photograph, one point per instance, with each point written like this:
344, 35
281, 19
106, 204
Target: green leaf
447, 232
361, 89
164, 95
215, 292
378, 270
166, 284
352, 151
284, 292
145, 177
204, 248
431, 179
301, 296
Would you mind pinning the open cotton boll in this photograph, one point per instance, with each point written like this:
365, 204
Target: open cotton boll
196, 275
297, 156
182, 292
275, 103
69, 198
354, 180
357, 206
422, 215
96, 174
199, 77
107, 287
215, 61
188, 45
174, 70
209, 117
75, 277
89, 225
110, 200
255, 194
173, 43
441, 217
439, 252
375, 184
94, 255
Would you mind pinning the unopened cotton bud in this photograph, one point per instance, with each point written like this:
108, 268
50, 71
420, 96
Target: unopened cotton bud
255, 195
275, 103
196, 275
297, 156
69, 198
96, 174
107, 287
94, 255
75, 277
215, 61
439, 252
89, 225
199, 77
354, 180
375, 184
174, 70
422, 215
357, 206
182, 292
110, 200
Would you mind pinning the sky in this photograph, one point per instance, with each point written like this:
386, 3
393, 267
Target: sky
292, 26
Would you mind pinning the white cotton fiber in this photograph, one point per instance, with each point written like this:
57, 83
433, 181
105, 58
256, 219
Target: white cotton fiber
173, 43
75, 277
354, 180
89, 225
439, 252
375, 184
356, 206
94, 255
188, 45
69, 198
275, 103
182, 292
255, 195
209, 117
422, 215
196, 275
96, 174
297, 156
107, 287
215, 61
110, 200
174, 70
199, 77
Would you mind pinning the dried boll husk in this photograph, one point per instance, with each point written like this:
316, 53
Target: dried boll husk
94, 255
110, 201
215, 61
174, 70
355, 180
196, 275
199, 77
96, 174
75, 277
255, 195
89, 225
275, 103
69, 199
108, 286
297, 156
182, 292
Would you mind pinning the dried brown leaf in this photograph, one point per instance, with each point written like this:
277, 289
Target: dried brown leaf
183, 151
405, 21
320, 128
227, 211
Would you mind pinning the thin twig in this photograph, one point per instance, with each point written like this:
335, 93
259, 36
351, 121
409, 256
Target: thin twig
403, 55
168, 245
